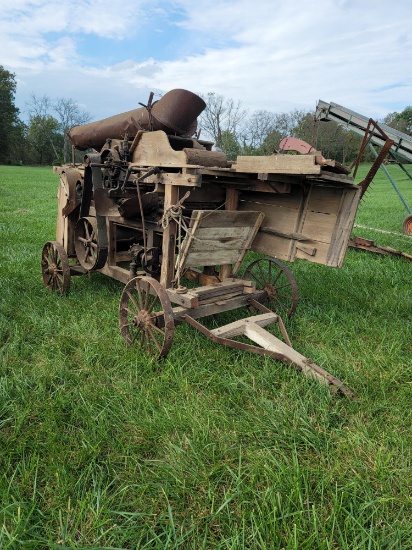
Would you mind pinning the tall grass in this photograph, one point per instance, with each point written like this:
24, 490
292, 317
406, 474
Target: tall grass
103, 447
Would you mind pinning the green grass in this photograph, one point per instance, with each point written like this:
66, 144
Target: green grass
103, 447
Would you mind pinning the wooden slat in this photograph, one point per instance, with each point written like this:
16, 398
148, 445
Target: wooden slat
221, 243
225, 218
219, 257
325, 199
215, 289
225, 236
231, 203
207, 233
285, 164
216, 307
272, 245
344, 225
169, 239
287, 200
319, 227
248, 243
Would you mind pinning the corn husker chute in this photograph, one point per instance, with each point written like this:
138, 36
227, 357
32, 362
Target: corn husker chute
155, 208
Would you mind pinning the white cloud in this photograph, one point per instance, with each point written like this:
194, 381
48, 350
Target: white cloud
269, 54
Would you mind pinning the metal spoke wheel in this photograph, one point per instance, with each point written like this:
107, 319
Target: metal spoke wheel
85, 242
55, 267
407, 225
277, 281
146, 315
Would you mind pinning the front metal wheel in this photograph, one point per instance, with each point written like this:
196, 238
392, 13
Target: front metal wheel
146, 316
278, 283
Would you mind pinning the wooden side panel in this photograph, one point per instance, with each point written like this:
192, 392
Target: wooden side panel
314, 225
282, 214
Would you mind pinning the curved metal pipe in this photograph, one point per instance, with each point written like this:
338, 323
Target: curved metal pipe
175, 113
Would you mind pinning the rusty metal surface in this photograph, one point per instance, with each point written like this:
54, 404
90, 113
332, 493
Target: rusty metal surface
372, 129
407, 225
72, 181
55, 267
370, 246
278, 283
146, 316
304, 148
175, 113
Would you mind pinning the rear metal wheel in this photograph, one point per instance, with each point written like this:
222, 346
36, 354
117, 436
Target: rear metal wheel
85, 242
146, 316
278, 283
55, 267
407, 225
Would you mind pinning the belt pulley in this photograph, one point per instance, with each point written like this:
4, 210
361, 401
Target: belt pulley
91, 242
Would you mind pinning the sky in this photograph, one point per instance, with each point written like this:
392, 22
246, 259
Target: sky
108, 55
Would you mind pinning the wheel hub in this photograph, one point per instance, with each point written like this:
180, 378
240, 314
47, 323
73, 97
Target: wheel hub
271, 291
142, 320
52, 270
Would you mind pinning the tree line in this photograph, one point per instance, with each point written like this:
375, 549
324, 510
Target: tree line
234, 130
43, 140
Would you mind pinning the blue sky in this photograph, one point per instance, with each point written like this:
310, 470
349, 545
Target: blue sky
271, 55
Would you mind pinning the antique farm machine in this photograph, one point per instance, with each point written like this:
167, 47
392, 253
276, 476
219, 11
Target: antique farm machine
159, 210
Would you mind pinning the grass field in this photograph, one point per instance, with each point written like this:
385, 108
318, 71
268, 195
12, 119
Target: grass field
103, 447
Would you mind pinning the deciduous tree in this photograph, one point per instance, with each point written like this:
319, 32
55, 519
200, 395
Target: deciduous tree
69, 114
9, 118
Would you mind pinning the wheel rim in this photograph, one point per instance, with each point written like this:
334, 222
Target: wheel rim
55, 268
146, 316
280, 286
407, 225
85, 242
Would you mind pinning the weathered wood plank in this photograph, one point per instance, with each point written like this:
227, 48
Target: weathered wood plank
318, 226
238, 327
220, 257
169, 239
224, 242
205, 158
343, 229
212, 233
272, 245
285, 164
188, 299
226, 218
325, 199
317, 254
216, 307
231, 203
284, 200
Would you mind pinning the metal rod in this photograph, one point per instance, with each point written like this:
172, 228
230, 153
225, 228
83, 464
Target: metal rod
392, 182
